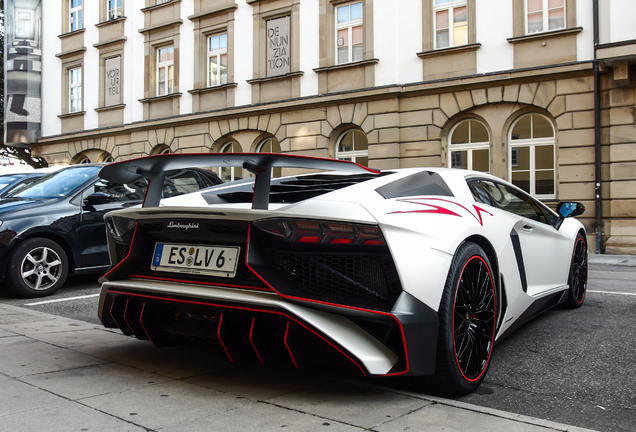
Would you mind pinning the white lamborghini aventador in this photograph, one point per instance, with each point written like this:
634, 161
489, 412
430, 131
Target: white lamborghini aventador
401, 272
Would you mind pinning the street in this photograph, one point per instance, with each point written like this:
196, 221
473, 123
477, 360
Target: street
569, 366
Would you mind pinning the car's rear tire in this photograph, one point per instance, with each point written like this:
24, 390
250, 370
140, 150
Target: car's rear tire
577, 279
467, 318
37, 267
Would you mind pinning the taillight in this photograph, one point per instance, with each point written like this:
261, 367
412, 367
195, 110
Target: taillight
322, 232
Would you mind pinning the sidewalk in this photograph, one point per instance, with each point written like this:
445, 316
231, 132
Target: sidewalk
618, 260
58, 374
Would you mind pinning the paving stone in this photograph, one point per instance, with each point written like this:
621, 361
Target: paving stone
264, 418
91, 381
21, 356
356, 405
64, 416
257, 382
179, 363
162, 405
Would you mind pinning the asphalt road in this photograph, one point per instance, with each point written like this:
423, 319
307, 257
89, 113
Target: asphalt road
576, 367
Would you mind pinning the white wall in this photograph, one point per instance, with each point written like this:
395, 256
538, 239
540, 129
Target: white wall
51, 68
91, 82
622, 20
186, 58
243, 60
309, 47
494, 27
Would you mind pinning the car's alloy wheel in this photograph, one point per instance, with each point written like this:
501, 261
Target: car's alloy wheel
467, 323
578, 274
474, 318
38, 267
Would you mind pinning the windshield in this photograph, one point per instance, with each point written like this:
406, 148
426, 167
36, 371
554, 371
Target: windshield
7, 179
58, 184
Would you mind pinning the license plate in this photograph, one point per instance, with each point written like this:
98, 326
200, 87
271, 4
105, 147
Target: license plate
209, 260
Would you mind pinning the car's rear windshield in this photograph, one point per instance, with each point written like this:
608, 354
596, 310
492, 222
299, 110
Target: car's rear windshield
58, 184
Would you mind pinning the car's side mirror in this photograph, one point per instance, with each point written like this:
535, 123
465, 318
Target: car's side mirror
97, 198
566, 210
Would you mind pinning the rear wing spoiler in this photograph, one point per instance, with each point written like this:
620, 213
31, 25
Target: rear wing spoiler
153, 169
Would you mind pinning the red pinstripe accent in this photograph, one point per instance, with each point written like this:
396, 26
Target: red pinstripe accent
143, 308
287, 345
443, 210
246, 309
252, 342
218, 334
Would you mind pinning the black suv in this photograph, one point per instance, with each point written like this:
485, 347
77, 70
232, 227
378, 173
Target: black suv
55, 226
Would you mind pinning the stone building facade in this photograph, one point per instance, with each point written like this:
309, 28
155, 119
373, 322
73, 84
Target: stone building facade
386, 85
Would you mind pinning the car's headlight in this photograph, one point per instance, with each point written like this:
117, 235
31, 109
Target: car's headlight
120, 228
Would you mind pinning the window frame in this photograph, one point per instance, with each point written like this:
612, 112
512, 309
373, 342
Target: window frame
545, 17
72, 86
348, 25
470, 146
168, 65
354, 154
113, 13
218, 54
232, 170
532, 144
450, 7
75, 15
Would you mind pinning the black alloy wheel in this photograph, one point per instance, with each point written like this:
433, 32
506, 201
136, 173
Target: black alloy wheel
474, 318
577, 279
467, 323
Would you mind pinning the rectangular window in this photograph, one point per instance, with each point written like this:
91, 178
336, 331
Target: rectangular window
75, 14
451, 23
75, 89
349, 35
544, 15
161, 1
114, 9
217, 59
165, 70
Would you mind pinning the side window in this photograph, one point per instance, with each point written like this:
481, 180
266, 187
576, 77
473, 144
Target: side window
133, 191
181, 182
479, 192
512, 200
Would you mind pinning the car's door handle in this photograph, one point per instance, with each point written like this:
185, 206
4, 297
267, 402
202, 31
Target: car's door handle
527, 228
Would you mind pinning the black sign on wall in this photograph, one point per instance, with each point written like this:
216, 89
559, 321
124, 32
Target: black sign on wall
278, 46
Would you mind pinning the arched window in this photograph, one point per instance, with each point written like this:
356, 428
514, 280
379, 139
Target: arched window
531, 155
106, 157
271, 145
353, 146
160, 149
231, 173
469, 146
92, 155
